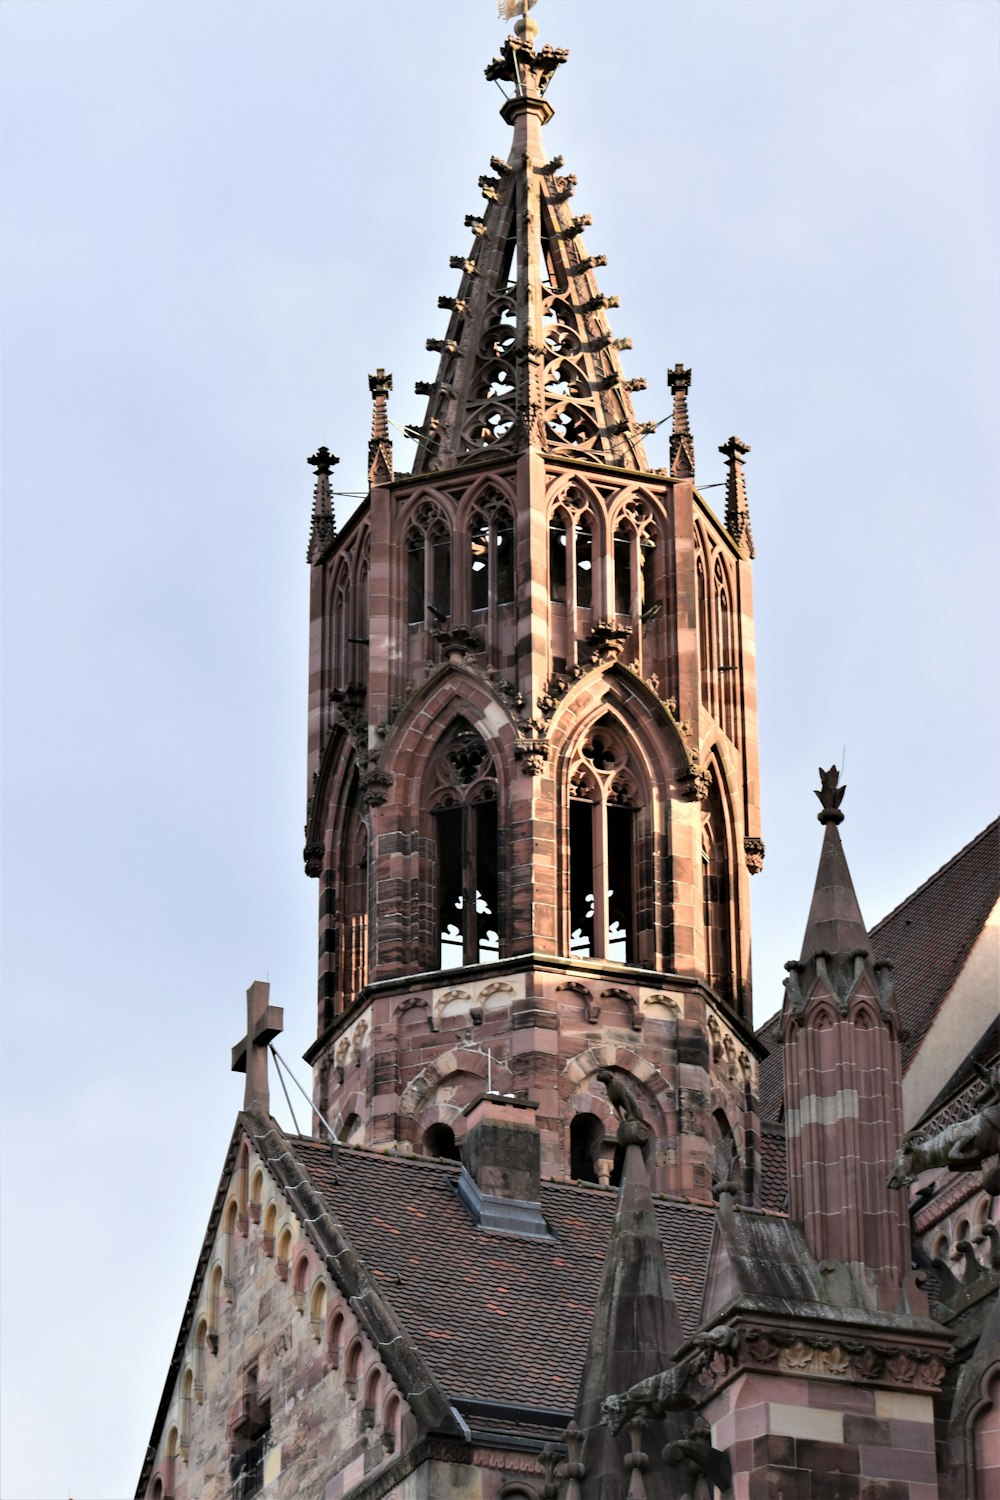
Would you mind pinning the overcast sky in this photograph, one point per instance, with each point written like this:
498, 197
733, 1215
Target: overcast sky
219, 216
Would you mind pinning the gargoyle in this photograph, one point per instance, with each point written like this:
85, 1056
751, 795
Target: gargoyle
653, 1397
960, 1147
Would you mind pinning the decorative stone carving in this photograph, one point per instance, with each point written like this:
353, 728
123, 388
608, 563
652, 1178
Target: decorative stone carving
375, 788
753, 853
312, 856
960, 1147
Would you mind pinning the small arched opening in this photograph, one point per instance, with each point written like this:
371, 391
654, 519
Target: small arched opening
439, 1141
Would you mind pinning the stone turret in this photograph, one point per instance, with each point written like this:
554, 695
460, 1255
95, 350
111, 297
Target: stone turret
843, 1104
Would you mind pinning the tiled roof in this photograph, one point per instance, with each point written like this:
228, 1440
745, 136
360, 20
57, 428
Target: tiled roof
770, 1077
774, 1170
927, 939
495, 1317
929, 935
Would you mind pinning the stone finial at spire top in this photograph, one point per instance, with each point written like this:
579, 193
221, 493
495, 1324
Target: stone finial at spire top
323, 461
735, 450
681, 441
322, 527
380, 469
830, 795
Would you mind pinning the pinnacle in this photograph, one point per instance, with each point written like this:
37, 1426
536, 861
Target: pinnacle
835, 923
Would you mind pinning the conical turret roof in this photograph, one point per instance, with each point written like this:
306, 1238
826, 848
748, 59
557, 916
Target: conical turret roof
835, 923
528, 358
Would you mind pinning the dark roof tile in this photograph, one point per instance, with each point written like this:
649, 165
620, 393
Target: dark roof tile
486, 1310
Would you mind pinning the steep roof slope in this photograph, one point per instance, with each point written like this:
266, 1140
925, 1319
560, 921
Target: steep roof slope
927, 938
929, 935
487, 1310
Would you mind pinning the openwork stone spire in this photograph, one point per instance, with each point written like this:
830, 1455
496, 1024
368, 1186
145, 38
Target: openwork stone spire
528, 358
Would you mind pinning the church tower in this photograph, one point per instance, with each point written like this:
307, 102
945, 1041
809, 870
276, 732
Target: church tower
533, 783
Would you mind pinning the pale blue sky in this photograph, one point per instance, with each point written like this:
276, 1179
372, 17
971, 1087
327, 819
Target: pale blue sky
218, 218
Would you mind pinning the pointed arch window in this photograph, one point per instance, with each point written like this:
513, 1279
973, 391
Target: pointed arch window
464, 805
728, 665
428, 567
604, 796
572, 553
706, 655
717, 898
491, 552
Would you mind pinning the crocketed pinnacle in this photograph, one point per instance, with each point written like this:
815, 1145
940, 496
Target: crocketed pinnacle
380, 468
528, 358
636, 1330
323, 528
735, 450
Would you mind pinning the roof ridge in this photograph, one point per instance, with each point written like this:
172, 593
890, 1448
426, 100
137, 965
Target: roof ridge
995, 824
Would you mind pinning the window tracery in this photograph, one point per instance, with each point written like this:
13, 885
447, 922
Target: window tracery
604, 792
463, 800
428, 566
572, 552
491, 552
717, 898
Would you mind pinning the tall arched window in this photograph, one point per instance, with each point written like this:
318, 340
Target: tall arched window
604, 795
464, 804
636, 592
340, 628
358, 644
706, 654
491, 552
428, 567
717, 897
728, 665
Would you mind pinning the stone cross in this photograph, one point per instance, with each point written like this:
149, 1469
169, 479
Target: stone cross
264, 1023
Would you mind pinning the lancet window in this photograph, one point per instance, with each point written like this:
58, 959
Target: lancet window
491, 553
358, 644
717, 897
604, 796
428, 567
706, 642
728, 665
463, 800
573, 550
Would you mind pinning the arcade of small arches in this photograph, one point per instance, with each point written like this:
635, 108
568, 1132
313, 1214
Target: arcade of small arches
963, 1240
328, 1316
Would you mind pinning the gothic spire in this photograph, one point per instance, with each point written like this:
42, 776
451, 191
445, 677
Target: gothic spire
323, 527
380, 470
681, 441
735, 450
528, 358
835, 923
843, 1095
636, 1330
